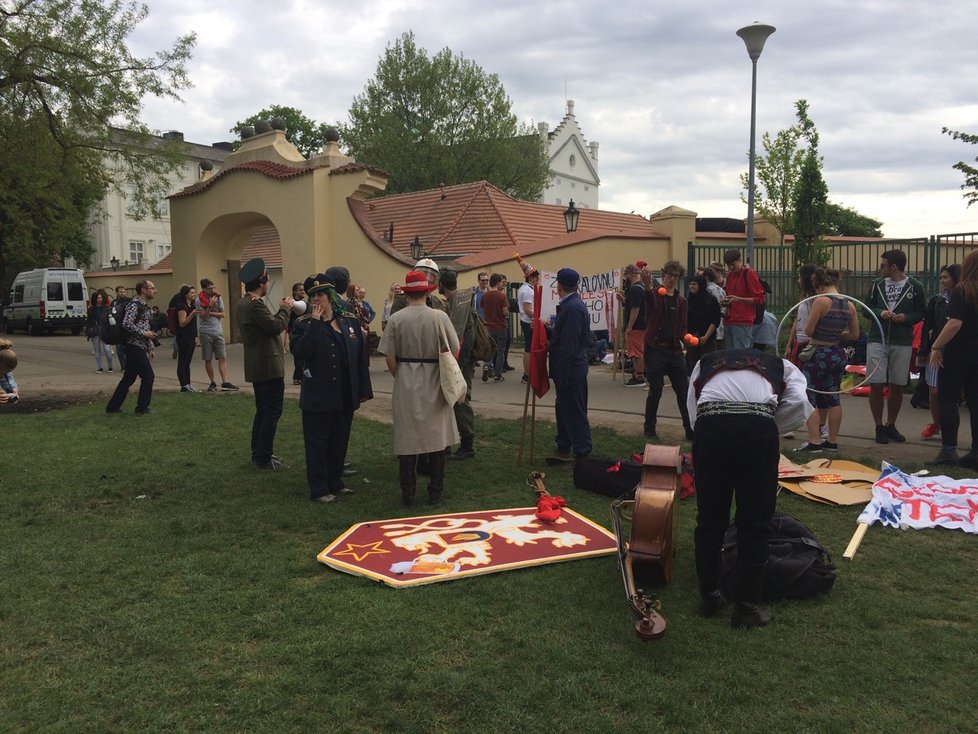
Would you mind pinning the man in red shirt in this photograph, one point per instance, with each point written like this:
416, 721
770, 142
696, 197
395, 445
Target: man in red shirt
744, 292
495, 306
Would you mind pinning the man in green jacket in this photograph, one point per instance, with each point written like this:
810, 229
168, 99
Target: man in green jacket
899, 302
264, 362
460, 309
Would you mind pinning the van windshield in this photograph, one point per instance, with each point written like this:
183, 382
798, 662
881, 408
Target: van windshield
56, 292
75, 292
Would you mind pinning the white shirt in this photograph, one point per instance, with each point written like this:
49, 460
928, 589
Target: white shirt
749, 386
525, 295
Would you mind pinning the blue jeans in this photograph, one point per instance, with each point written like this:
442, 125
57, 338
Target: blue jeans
500, 360
738, 336
269, 397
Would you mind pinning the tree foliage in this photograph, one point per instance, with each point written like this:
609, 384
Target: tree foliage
811, 195
969, 171
442, 119
70, 97
778, 178
844, 221
305, 134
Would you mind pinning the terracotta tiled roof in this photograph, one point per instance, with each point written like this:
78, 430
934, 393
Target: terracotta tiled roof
269, 169
165, 264
471, 220
356, 167
265, 244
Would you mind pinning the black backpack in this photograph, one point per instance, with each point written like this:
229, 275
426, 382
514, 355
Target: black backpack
798, 566
110, 329
759, 307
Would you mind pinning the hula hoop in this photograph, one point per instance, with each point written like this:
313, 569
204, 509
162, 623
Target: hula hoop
794, 308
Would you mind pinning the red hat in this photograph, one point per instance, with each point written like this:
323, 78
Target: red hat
416, 282
642, 264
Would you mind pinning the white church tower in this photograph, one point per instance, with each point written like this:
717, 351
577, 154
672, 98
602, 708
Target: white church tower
573, 163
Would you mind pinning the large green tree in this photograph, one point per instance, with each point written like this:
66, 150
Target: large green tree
305, 134
431, 120
811, 196
969, 171
71, 93
778, 174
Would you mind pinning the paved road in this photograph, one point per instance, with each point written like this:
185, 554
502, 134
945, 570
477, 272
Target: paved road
63, 363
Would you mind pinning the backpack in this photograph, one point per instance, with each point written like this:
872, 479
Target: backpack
171, 319
759, 307
483, 345
798, 566
110, 329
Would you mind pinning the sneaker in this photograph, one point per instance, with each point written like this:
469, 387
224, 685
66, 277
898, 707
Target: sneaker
349, 471
110, 370
893, 434
507, 368
947, 455
485, 375
881, 435
212, 387
829, 446
789, 434
812, 448
635, 382
498, 379
526, 378
931, 430
324, 498
345, 490
276, 464
188, 388
560, 457
823, 432
228, 387
99, 371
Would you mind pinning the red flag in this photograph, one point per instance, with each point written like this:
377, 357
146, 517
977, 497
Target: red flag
539, 377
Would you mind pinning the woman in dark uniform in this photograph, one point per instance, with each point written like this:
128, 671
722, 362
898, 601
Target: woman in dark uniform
335, 380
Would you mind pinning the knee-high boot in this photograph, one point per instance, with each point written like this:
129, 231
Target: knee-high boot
708, 575
748, 611
409, 479
436, 483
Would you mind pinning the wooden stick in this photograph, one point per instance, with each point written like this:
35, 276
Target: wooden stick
526, 403
533, 427
857, 538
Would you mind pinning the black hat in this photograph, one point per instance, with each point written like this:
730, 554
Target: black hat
252, 270
339, 277
318, 284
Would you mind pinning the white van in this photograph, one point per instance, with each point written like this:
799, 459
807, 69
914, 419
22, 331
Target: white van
46, 299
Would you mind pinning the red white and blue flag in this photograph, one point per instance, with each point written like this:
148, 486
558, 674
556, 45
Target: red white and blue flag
904, 501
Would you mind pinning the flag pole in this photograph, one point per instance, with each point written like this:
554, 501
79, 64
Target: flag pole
526, 403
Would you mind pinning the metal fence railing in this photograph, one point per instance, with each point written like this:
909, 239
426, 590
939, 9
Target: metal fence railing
857, 261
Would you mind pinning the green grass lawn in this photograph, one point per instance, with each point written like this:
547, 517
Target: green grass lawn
151, 580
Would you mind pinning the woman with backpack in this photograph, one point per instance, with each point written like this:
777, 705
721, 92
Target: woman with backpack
99, 305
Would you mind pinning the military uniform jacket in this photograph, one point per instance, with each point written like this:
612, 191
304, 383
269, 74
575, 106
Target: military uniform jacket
261, 330
335, 373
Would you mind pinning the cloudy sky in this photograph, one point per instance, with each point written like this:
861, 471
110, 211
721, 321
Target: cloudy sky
664, 87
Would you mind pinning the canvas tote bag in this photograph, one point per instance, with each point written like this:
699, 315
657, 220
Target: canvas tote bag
453, 385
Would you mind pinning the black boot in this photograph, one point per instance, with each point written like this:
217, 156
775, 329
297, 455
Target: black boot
748, 612
409, 480
436, 483
708, 575
465, 451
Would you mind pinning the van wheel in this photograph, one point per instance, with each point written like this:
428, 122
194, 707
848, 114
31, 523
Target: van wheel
75, 330
31, 329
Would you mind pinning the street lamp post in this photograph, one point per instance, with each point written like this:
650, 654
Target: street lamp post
754, 36
416, 248
114, 262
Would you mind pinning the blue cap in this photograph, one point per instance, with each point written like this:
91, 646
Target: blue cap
568, 278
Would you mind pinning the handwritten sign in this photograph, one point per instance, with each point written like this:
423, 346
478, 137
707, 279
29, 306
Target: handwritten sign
598, 293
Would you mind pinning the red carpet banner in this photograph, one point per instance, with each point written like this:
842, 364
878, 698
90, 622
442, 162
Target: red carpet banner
422, 550
902, 501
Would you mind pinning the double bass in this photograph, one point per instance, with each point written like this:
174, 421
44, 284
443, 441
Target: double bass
646, 558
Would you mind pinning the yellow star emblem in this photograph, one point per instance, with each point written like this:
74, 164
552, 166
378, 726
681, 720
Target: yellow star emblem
367, 549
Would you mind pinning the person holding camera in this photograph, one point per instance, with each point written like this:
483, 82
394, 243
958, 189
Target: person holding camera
210, 306
186, 333
140, 342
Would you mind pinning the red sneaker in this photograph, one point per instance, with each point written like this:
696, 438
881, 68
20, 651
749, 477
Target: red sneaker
931, 430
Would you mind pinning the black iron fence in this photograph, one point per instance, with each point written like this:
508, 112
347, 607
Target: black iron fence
857, 261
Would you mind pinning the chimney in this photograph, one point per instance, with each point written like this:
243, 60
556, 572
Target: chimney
173, 135
570, 108
593, 147
543, 128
